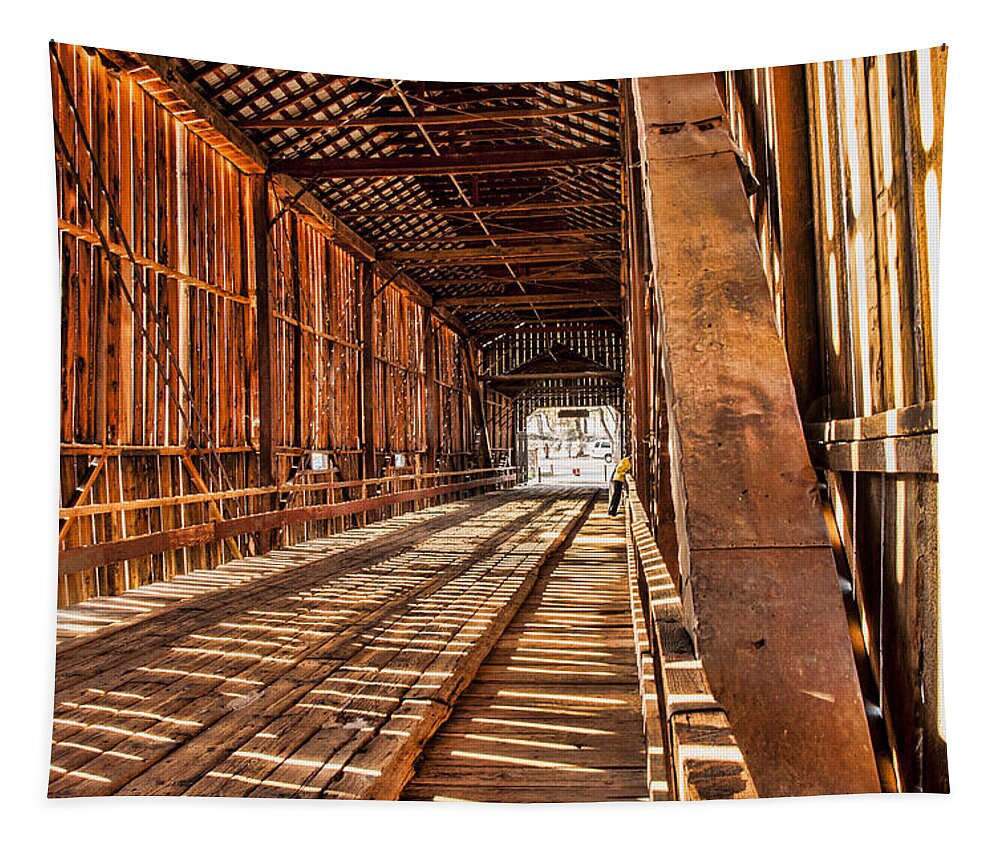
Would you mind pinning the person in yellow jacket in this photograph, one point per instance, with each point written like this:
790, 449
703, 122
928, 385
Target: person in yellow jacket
617, 483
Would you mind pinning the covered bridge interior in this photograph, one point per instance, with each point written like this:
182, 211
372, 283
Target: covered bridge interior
304, 320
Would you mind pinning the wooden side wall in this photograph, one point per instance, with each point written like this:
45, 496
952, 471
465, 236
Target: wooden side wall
180, 206
854, 148
163, 401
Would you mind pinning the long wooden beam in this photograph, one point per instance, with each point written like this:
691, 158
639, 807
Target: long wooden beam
760, 586
292, 193
798, 260
367, 395
97, 464
266, 334
509, 209
563, 279
557, 325
506, 236
552, 376
581, 299
162, 79
478, 408
429, 119
349, 168
489, 254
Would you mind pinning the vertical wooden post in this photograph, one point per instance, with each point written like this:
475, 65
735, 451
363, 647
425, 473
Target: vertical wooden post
298, 365
798, 255
265, 349
430, 392
637, 338
478, 409
368, 470
102, 308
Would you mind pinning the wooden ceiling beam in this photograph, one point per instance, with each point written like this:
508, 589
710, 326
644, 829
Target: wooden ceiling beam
557, 325
514, 253
499, 259
571, 309
562, 279
341, 168
510, 236
512, 378
529, 299
497, 209
430, 119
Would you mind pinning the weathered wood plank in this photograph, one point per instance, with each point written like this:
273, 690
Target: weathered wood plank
153, 698
554, 713
907, 454
897, 422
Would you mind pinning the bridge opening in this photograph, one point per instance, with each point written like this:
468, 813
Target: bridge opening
573, 445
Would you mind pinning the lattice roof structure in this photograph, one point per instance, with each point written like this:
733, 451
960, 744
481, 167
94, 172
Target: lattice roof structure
502, 200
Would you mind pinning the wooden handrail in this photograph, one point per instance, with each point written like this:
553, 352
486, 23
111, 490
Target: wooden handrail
78, 559
214, 496
689, 714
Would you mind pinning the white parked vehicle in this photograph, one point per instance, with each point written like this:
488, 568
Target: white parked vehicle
602, 449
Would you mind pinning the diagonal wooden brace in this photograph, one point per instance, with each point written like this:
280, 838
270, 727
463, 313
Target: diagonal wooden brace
758, 579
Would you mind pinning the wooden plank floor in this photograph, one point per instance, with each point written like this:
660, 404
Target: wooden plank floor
554, 714
321, 677
100, 615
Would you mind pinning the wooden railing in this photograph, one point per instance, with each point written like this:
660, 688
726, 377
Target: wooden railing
389, 490
692, 753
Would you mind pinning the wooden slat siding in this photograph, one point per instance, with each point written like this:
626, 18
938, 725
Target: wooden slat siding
129, 368
891, 220
860, 246
797, 256
830, 270
882, 454
746, 513
925, 162
687, 707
